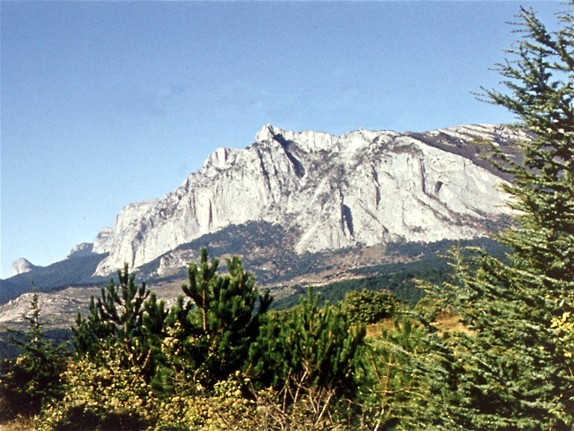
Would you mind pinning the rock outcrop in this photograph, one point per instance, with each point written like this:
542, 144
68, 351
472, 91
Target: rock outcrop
361, 188
81, 250
22, 266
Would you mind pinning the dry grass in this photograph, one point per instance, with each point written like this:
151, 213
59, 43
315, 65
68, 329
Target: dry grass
375, 329
12, 421
446, 322
18, 424
450, 323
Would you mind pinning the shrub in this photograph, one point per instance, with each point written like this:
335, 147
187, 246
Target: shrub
102, 393
369, 306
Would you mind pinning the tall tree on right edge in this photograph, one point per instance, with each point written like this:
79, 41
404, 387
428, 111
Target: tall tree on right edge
518, 359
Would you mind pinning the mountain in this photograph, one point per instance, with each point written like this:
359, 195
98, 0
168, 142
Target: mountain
73, 271
291, 195
22, 266
362, 188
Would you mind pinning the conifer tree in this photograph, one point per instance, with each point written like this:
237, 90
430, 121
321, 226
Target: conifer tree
518, 359
369, 306
217, 324
30, 380
308, 346
126, 316
408, 378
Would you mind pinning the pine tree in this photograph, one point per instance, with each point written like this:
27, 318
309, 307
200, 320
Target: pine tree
32, 379
369, 306
518, 359
215, 327
308, 346
125, 316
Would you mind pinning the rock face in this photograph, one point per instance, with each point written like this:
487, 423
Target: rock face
80, 250
17, 309
22, 266
361, 188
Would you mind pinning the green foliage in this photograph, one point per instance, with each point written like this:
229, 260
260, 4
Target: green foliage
368, 306
516, 377
126, 314
308, 346
518, 360
225, 407
424, 261
33, 377
101, 392
214, 329
140, 366
234, 404
118, 313
408, 379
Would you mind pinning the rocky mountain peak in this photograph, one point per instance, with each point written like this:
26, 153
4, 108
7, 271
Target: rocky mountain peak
80, 250
267, 133
221, 159
22, 266
361, 188
307, 141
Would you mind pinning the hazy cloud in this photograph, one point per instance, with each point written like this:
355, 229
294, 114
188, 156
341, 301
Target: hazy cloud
149, 101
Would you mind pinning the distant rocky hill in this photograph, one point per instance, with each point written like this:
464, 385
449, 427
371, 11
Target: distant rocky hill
290, 200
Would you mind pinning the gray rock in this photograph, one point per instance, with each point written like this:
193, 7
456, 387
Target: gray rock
361, 188
22, 266
81, 250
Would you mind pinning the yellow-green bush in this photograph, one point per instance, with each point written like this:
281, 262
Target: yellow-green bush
101, 393
224, 408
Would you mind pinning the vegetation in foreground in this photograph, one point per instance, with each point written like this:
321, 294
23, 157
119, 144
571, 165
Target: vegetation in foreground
219, 359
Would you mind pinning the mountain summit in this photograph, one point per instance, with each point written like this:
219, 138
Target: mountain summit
361, 188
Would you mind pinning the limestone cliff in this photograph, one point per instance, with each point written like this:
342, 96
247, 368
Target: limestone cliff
361, 188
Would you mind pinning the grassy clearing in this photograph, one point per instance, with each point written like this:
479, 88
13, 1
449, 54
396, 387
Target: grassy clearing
450, 323
445, 322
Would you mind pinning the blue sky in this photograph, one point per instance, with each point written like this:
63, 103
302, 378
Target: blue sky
107, 103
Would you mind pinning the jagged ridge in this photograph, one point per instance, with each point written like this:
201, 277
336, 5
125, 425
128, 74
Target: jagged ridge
362, 188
